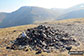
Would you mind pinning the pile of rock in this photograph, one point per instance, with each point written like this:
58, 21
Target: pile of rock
44, 38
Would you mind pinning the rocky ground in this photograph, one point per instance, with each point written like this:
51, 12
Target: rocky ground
74, 28
7, 35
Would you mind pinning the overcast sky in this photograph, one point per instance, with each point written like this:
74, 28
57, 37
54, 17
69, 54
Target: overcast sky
12, 5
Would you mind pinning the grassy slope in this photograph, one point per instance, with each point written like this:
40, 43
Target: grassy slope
7, 34
68, 20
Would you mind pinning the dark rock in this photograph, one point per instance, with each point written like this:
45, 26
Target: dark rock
68, 48
14, 30
7, 47
38, 52
26, 50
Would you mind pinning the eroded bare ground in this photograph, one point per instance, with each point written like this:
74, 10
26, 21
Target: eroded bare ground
76, 29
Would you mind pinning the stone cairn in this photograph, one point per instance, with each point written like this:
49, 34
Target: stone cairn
44, 38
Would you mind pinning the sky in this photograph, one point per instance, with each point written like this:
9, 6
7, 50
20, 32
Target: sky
12, 5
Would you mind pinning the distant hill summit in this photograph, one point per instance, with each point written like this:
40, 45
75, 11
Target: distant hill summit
27, 15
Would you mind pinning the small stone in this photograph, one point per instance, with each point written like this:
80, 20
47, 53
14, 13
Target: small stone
38, 52
68, 48
26, 50
14, 31
45, 50
7, 47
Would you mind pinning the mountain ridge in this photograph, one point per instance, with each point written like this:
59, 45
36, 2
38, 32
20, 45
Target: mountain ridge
27, 15
30, 14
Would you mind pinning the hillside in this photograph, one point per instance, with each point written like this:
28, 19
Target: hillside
28, 15
71, 26
2, 16
73, 14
